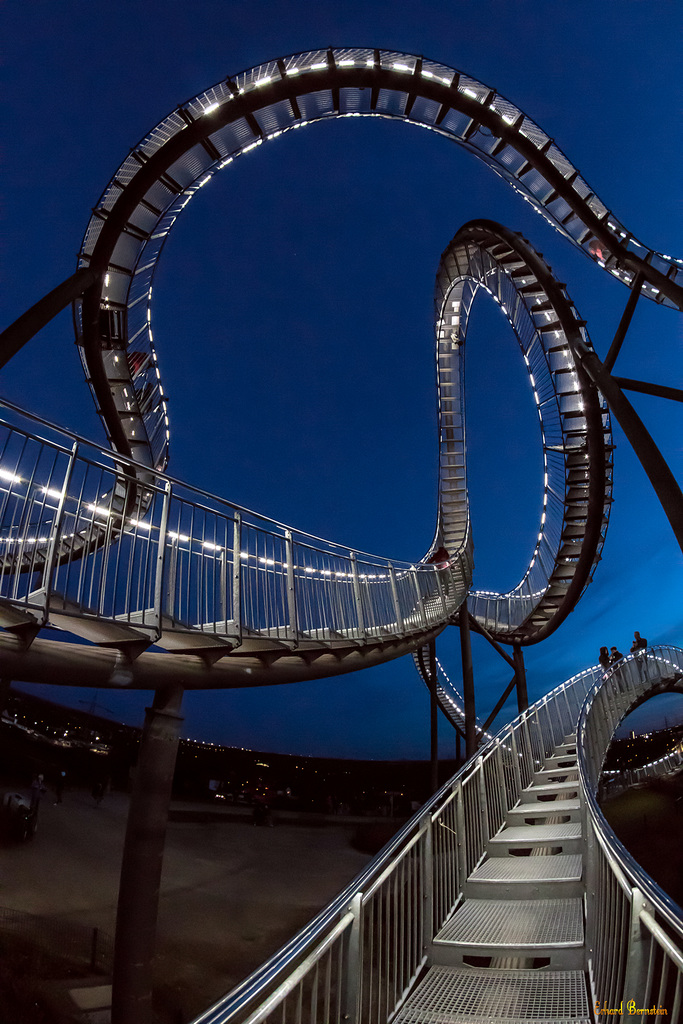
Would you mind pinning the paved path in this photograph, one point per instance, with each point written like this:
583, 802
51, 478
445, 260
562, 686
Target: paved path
231, 893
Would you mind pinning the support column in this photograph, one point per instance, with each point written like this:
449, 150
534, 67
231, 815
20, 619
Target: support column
142, 860
520, 676
467, 682
433, 721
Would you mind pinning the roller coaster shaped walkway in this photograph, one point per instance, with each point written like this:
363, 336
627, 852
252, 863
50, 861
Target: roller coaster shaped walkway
176, 587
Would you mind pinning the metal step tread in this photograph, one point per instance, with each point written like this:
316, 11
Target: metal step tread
552, 787
540, 807
556, 773
561, 761
450, 995
517, 923
529, 869
538, 833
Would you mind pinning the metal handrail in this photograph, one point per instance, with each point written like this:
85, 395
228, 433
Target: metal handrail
92, 535
647, 924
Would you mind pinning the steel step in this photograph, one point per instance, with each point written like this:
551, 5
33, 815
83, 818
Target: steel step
566, 748
526, 877
557, 789
549, 775
451, 995
560, 761
522, 813
566, 838
548, 928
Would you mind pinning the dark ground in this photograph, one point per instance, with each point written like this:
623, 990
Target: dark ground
649, 822
232, 893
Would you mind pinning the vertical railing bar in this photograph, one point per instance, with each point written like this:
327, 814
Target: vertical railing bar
53, 548
351, 987
237, 575
357, 595
161, 557
420, 608
292, 623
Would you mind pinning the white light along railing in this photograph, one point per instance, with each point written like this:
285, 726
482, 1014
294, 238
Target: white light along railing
357, 960
634, 929
87, 533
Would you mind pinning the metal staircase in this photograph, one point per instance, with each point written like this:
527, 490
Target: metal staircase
514, 947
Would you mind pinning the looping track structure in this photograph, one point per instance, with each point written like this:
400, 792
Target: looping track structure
138, 561
139, 206
574, 421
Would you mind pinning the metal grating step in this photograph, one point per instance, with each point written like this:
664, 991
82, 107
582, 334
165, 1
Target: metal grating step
517, 923
535, 810
549, 789
556, 774
529, 869
561, 761
532, 834
451, 995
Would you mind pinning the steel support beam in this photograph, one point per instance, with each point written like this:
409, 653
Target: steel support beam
625, 322
433, 721
487, 636
520, 678
468, 682
141, 866
651, 459
501, 701
658, 390
14, 337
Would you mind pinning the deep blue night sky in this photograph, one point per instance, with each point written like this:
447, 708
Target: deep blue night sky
293, 303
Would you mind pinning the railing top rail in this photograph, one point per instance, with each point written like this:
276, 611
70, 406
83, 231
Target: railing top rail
312, 540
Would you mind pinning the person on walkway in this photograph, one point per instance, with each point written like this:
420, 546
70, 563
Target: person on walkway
614, 656
37, 790
98, 791
639, 642
604, 657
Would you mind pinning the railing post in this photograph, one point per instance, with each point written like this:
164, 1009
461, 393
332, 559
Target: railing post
293, 625
636, 963
353, 979
53, 546
428, 888
461, 836
418, 597
161, 557
442, 593
397, 603
551, 730
515, 763
483, 798
223, 587
357, 596
237, 575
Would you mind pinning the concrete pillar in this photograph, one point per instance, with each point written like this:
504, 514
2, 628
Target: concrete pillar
142, 860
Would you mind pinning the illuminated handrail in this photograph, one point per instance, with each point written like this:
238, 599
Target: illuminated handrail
88, 534
635, 930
